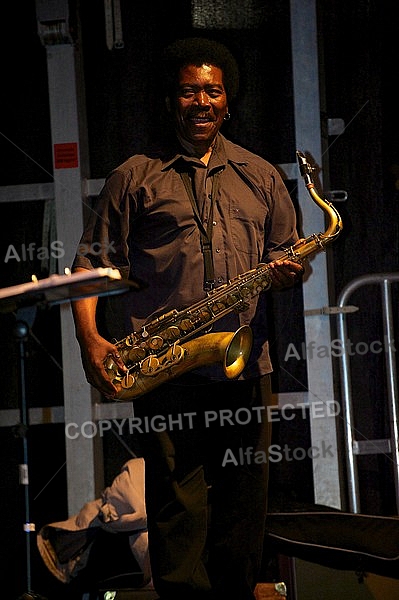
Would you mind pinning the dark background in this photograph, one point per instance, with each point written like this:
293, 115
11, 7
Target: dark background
358, 45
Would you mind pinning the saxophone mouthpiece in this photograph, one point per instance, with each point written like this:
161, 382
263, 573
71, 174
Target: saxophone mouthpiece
305, 168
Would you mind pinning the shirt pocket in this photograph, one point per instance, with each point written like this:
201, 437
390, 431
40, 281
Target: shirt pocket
247, 230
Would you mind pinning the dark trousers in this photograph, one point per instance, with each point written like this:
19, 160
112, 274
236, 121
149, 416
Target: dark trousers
205, 447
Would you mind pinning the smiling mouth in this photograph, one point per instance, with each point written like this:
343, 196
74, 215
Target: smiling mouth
200, 120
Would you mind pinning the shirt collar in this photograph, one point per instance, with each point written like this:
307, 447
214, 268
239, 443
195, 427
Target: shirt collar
224, 152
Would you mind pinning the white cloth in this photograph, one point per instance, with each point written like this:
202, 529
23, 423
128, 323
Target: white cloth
65, 546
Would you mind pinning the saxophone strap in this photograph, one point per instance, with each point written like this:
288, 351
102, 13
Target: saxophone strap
206, 233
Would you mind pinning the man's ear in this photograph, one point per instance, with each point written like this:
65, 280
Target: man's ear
167, 104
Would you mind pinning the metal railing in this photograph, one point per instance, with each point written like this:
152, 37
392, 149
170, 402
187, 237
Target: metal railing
356, 447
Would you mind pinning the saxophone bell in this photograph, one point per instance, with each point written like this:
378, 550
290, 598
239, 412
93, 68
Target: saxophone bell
237, 352
230, 349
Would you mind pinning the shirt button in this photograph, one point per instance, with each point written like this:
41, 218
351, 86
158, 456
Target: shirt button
214, 223
218, 250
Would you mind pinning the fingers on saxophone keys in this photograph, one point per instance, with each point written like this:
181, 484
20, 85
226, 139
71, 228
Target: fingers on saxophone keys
289, 268
301, 273
118, 360
281, 268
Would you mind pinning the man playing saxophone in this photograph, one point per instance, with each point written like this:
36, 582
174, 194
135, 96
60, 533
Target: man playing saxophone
187, 217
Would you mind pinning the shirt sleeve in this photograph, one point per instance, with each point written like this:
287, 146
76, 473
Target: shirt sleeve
104, 239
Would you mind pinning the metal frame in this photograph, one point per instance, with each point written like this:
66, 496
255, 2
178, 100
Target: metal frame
326, 470
68, 127
357, 447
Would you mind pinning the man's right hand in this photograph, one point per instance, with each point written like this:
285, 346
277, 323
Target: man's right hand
94, 352
93, 347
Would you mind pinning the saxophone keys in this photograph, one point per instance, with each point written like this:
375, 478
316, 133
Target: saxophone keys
231, 299
186, 325
172, 333
222, 305
263, 284
173, 354
176, 353
149, 365
109, 363
156, 342
136, 354
205, 314
127, 381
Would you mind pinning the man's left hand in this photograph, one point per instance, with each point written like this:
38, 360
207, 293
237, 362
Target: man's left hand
285, 273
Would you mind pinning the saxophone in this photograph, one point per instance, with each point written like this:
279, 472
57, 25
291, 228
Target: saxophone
170, 345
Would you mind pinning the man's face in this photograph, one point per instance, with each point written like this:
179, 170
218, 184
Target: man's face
200, 104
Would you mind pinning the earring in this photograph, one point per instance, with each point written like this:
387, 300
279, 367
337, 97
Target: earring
227, 117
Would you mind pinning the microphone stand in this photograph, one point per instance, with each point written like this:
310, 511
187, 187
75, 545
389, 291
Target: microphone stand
23, 300
25, 318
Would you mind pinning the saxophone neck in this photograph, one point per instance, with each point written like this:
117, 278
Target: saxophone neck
335, 222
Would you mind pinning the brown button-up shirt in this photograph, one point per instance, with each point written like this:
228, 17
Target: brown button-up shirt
143, 224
